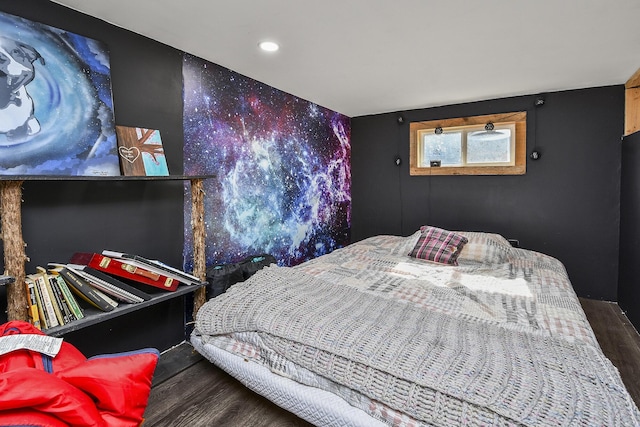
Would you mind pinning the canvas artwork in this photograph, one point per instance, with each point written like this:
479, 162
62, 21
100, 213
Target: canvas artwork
56, 106
282, 167
141, 152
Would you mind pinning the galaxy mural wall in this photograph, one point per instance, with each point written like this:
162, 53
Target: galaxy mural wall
282, 167
56, 108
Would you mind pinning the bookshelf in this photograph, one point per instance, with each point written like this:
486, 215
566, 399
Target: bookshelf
15, 256
93, 315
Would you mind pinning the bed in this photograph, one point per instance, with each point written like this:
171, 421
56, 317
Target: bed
468, 330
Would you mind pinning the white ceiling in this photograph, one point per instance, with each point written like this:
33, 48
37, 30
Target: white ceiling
362, 57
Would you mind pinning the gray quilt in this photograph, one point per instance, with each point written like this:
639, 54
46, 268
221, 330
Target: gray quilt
437, 368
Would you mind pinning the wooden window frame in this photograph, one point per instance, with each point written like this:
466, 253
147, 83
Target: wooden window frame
520, 167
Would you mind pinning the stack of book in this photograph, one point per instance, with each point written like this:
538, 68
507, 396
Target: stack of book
56, 295
50, 299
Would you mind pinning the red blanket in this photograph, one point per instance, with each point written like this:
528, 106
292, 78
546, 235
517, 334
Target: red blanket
69, 389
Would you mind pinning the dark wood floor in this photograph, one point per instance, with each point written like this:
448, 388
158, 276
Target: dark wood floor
189, 391
618, 339
204, 395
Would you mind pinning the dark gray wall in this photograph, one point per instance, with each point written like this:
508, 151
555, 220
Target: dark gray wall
628, 289
567, 205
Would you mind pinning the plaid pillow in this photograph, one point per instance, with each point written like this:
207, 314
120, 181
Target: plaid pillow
485, 248
438, 245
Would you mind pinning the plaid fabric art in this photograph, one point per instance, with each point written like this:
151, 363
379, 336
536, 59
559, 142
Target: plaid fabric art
438, 245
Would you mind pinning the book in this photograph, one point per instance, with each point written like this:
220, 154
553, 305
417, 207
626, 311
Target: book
54, 294
45, 298
65, 310
41, 312
140, 152
123, 270
72, 303
32, 301
119, 283
110, 285
154, 265
85, 291
55, 300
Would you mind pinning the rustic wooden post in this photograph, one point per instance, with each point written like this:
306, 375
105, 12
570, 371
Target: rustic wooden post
14, 252
199, 240
632, 104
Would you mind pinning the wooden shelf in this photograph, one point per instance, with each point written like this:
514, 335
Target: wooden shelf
15, 256
94, 316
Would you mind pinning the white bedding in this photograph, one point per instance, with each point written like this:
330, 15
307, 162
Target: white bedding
319, 407
495, 288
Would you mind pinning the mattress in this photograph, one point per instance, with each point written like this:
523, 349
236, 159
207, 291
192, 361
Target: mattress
369, 336
319, 407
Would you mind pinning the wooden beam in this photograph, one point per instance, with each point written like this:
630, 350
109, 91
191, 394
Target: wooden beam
199, 240
14, 252
634, 81
631, 110
632, 104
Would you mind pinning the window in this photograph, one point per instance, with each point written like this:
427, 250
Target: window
480, 145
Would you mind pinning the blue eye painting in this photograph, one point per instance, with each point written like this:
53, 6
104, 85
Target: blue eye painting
56, 106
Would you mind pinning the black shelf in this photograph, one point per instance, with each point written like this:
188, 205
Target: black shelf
102, 178
6, 280
94, 316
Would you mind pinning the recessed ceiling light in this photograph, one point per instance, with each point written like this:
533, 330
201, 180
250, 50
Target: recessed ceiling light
269, 46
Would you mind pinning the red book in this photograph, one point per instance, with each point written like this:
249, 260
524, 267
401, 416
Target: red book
126, 271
